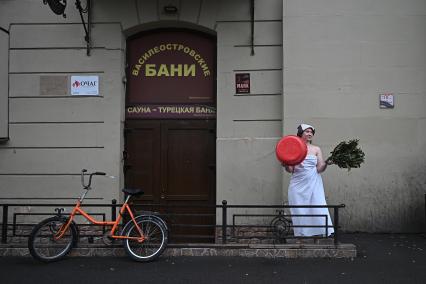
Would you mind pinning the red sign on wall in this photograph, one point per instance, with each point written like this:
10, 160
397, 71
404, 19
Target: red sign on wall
242, 83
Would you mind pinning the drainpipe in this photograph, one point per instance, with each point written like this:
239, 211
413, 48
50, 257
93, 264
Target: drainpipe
252, 26
5, 91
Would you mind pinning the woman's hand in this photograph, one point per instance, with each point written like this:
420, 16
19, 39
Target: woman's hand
288, 168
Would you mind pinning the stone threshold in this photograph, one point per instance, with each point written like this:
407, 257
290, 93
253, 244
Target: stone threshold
240, 250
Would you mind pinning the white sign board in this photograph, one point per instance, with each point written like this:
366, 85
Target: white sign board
386, 100
85, 85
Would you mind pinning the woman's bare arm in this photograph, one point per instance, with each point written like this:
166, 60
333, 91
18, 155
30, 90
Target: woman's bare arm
321, 164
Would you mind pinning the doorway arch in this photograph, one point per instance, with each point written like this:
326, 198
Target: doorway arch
170, 127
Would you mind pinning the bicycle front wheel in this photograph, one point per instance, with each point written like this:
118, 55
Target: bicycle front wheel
44, 243
154, 239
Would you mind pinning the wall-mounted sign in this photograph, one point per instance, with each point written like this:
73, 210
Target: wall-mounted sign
183, 111
85, 85
386, 100
171, 67
242, 83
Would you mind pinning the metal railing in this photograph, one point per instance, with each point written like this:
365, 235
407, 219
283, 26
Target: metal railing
224, 208
335, 225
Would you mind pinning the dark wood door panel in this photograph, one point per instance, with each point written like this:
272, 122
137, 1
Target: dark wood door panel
142, 158
187, 160
174, 162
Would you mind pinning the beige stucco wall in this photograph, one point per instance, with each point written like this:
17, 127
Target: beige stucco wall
249, 126
338, 57
332, 58
54, 135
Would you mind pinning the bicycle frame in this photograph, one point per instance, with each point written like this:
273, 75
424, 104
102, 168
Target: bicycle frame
144, 237
79, 211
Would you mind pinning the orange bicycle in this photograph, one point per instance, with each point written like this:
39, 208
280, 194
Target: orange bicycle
144, 236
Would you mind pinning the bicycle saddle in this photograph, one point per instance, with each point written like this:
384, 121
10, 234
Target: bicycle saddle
133, 191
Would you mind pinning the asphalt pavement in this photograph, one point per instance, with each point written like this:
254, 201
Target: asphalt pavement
382, 258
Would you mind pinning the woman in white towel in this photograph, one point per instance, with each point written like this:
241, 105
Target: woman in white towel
306, 188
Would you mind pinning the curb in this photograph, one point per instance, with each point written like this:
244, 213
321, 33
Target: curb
251, 250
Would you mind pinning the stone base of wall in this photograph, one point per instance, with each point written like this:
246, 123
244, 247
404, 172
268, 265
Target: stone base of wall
265, 235
96, 235
269, 251
253, 250
242, 242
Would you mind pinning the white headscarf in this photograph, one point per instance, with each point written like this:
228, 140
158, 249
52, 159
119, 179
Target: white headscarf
302, 127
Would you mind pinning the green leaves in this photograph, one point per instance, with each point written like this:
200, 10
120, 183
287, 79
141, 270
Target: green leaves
347, 155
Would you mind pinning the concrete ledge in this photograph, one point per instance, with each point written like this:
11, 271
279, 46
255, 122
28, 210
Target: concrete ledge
285, 251
267, 251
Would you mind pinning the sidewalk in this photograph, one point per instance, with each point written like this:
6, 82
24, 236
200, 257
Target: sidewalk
398, 247
360, 245
381, 258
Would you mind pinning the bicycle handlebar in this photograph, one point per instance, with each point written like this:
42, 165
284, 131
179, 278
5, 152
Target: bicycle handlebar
83, 173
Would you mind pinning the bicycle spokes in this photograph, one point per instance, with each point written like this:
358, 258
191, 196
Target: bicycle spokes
150, 244
44, 243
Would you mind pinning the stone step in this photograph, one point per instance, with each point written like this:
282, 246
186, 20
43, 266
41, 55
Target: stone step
241, 250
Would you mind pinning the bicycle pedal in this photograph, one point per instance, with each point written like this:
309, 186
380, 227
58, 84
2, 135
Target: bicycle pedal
107, 239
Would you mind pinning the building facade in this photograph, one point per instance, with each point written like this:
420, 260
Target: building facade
192, 96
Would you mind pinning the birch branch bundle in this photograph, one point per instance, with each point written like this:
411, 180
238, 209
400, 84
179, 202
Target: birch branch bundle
347, 155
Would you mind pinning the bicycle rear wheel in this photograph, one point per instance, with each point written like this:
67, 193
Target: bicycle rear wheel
154, 243
44, 246
281, 228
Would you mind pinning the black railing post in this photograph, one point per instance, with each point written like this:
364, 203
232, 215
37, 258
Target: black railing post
4, 225
336, 225
113, 210
326, 226
224, 218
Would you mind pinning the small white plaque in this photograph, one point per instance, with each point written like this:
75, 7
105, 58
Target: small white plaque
387, 100
85, 85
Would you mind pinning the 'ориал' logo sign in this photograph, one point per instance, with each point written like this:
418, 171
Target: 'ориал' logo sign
85, 85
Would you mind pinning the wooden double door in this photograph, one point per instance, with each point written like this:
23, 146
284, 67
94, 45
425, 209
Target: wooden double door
174, 162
